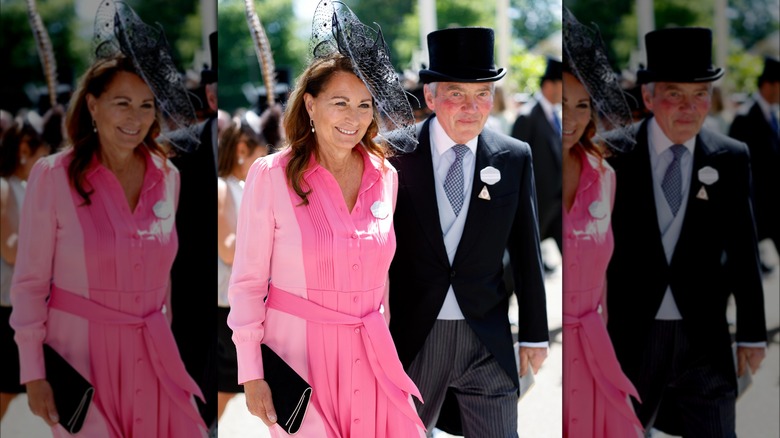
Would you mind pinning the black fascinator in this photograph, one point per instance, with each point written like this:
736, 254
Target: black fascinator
335, 28
585, 56
118, 30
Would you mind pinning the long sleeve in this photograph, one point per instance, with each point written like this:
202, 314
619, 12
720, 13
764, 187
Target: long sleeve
33, 271
251, 270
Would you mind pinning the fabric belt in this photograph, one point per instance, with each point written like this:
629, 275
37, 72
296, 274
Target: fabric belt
602, 361
158, 337
377, 341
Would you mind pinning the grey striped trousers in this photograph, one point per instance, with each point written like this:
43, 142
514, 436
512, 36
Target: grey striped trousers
453, 357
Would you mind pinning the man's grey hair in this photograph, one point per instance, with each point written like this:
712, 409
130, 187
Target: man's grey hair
650, 87
434, 85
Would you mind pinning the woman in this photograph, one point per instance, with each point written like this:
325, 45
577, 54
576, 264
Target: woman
96, 245
596, 402
20, 148
240, 144
315, 239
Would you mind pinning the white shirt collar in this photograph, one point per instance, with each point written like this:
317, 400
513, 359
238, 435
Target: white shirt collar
660, 142
442, 142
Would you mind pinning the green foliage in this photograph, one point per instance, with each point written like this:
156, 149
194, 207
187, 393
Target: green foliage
753, 20
238, 64
71, 40
22, 68
743, 70
525, 69
535, 20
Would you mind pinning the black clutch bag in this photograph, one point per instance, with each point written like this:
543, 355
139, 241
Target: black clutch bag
290, 393
72, 392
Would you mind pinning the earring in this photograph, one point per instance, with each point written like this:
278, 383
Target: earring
311, 123
94, 126
23, 161
240, 161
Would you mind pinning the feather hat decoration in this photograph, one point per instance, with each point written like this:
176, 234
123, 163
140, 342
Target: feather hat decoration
45, 50
262, 49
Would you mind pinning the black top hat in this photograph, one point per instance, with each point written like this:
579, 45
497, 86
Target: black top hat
681, 54
463, 54
209, 75
771, 71
554, 70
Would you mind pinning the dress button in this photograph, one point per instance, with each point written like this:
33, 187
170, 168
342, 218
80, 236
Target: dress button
573, 421
355, 299
137, 392
354, 235
139, 420
357, 361
357, 330
357, 392
137, 266
573, 392
136, 236
452, 273
357, 420
139, 361
137, 300
355, 267
139, 330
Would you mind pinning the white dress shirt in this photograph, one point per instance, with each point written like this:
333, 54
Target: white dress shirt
443, 156
660, 157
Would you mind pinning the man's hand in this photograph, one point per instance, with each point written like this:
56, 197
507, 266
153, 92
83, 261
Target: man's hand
259, 402
751, 356
533, 355
40, 398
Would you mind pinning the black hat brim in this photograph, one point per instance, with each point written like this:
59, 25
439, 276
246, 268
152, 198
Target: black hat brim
647, 76
428, 76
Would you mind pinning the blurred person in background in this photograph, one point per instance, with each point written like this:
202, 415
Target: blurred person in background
756, 124
21, 146
539, 125
240, 144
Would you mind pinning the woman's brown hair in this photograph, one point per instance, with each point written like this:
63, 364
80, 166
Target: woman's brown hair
238, 130
81, 136
300, 138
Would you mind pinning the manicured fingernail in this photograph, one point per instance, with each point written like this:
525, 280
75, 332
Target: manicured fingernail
272, 417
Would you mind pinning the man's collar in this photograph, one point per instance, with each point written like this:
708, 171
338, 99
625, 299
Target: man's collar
442, 142
660, 142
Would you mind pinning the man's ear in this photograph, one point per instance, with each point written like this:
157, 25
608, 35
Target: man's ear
428, 93
647, 98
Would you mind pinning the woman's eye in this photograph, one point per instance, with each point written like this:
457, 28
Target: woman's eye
365, 106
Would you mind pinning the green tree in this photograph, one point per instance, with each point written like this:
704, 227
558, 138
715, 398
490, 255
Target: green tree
71, 40
22, 73
535, 20
238, 64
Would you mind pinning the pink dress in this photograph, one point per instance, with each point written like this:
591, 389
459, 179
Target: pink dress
106, 271
595, 401
328, 271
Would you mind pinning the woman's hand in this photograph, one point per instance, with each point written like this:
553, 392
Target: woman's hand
40, 398
258, 401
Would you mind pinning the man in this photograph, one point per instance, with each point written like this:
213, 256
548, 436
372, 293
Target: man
540, 127
465, 195
684, 241
194, 276
756, 124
